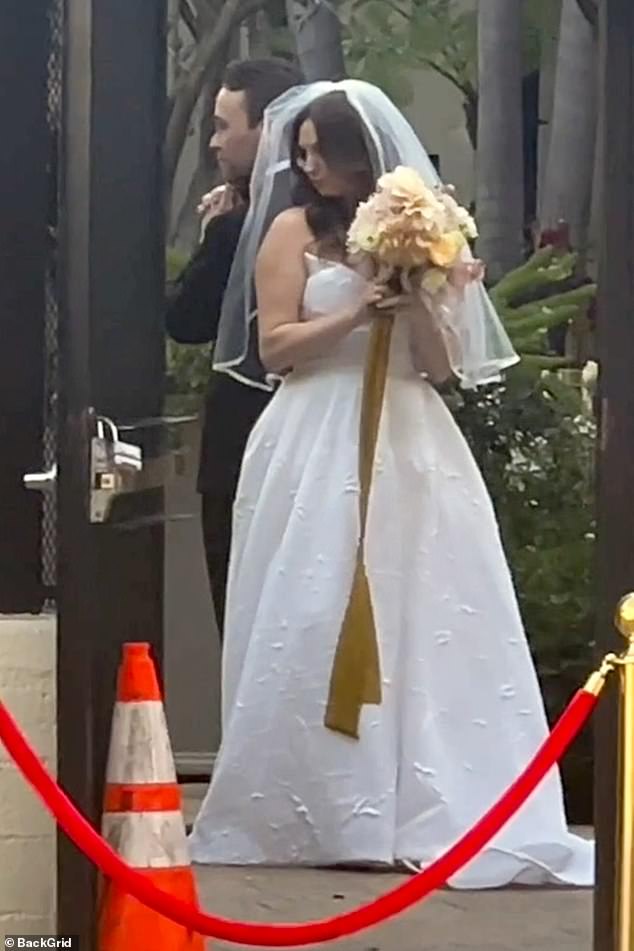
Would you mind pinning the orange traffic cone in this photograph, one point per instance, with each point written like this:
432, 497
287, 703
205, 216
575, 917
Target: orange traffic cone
142, 815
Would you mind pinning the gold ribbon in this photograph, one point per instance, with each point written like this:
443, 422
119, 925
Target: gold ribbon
356, 673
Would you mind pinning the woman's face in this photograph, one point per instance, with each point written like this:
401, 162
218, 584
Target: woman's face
325, 180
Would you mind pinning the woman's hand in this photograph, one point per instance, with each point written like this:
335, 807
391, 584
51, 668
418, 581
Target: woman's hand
398, 303
376, 297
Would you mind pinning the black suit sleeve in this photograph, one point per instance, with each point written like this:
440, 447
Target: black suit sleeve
195, 298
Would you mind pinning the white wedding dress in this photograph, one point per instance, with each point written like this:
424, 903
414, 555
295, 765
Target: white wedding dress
462, 712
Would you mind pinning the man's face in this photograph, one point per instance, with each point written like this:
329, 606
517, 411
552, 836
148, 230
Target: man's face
233, 141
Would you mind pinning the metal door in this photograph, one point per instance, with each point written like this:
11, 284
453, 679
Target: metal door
111, 346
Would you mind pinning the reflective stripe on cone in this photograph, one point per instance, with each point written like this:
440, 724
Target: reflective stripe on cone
142, 817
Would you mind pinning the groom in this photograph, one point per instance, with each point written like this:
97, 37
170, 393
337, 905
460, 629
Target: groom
195, 301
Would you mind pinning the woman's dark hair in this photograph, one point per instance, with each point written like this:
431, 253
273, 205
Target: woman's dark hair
345, 147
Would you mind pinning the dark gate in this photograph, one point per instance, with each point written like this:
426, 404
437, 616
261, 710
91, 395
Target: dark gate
82, 97
82, 101
111, 346
24, 251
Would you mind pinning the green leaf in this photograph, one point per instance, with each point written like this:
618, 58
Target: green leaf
545, 319
175, 261
429, 36
537, 361
578, 297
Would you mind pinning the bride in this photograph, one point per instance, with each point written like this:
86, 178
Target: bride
457, 712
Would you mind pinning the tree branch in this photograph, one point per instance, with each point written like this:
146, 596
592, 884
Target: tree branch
233, 13
590, 12
188, 17
465, 88
207, 12
397, 9
247, 9
316, 29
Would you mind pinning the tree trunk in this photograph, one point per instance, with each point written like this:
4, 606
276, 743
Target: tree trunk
547, 68
185, 232
260, 35
208, 54
500, 164
596, 204
571, 155
317, 32
590, 10
174, 44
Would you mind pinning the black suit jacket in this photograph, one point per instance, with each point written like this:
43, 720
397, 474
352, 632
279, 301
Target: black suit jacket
193, 312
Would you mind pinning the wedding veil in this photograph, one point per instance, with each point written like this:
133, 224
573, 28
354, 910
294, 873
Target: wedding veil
485, 349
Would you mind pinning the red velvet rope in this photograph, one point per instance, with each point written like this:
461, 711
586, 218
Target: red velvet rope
413, 890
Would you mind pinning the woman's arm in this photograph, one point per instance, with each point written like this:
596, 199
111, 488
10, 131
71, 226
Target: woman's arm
280, 280
429, 349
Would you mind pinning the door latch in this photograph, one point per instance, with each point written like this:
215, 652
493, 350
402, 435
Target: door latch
117, 467
113, 464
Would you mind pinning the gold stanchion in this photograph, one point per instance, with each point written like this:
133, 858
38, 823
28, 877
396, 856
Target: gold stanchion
625, 843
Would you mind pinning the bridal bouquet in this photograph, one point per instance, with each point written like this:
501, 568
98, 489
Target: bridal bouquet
416, 234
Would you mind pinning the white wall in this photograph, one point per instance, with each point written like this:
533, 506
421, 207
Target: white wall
438, 117
27, 835
192, 644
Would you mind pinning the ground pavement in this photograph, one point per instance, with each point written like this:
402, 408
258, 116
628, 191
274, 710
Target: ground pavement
508, 920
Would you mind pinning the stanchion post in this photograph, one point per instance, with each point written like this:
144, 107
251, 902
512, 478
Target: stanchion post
625, 805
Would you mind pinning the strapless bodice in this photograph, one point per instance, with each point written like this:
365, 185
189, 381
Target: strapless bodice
331, 287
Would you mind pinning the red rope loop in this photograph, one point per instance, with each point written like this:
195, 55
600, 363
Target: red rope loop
95, 848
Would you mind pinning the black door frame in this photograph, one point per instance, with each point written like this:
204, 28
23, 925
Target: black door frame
615, 326
110, 576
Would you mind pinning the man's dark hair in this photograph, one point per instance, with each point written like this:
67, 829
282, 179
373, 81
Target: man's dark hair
262, 81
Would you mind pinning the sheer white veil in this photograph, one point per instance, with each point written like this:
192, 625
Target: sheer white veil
484, 344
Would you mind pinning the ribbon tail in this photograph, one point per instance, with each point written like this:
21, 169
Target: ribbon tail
356, 674
356, 678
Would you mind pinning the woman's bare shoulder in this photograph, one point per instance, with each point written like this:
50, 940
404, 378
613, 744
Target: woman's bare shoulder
290, 225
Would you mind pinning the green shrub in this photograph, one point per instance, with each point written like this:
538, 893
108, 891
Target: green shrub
538, 297
187, 366
535, 442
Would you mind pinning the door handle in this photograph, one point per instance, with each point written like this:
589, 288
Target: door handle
117, 467
41, 481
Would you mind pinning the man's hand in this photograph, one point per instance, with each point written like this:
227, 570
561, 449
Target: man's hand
216, 202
